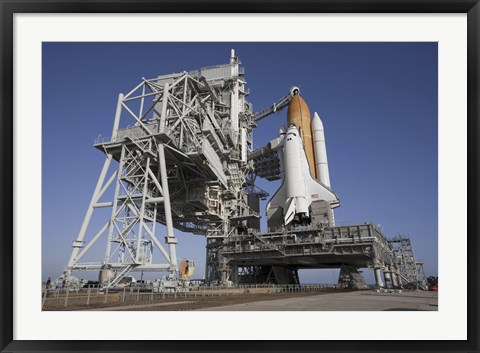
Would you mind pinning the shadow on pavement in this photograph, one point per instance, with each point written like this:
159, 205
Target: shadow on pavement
403, 309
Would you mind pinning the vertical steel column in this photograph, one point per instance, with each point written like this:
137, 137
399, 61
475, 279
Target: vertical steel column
88, 215
164, 108
140, 112
378, 277
142, 209
98, 187
394, 278
114, 207
234, 274
388, 277
170, 239
399, 279
234, 111
185, 90
118, 113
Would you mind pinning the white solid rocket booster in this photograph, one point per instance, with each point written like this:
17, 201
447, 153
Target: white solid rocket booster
281, 137
321, 163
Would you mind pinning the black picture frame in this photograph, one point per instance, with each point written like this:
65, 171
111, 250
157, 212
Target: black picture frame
10, 7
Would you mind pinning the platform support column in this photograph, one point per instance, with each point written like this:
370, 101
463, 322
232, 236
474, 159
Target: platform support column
388, 277
78, 243
394, 279
378, 277
170, 239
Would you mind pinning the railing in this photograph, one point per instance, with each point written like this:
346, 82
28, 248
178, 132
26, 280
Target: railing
102, 139
56, 299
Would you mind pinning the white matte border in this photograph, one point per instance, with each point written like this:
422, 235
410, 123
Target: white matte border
449, 323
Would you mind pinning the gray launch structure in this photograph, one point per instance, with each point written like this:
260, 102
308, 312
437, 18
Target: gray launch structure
181, 147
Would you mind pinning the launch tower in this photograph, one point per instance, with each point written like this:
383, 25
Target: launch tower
180, 142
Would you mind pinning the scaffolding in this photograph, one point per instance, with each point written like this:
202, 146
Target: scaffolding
411, 269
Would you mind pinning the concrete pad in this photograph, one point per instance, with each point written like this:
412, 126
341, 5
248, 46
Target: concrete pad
350, 301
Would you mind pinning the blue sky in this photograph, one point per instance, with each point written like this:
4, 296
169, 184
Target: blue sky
378, 103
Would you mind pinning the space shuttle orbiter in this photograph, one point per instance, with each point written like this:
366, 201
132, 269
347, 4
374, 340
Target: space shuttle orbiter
305, 196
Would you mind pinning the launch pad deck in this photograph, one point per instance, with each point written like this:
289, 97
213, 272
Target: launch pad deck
293, 248
357, 245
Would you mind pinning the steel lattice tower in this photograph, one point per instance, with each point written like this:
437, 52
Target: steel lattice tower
411, 269
182, 162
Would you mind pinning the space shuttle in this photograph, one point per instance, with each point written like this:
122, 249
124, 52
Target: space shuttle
305, 196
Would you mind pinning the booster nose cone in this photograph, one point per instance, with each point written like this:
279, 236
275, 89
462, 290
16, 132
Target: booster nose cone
298, 114
282, 130
321, 163
317, 122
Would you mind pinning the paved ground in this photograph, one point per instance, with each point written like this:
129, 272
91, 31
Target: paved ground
139, 306
350, 301
183, 304
333, 300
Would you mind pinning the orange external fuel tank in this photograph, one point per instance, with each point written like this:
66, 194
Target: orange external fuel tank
298, 114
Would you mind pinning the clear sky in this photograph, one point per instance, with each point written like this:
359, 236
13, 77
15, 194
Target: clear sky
378, 103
